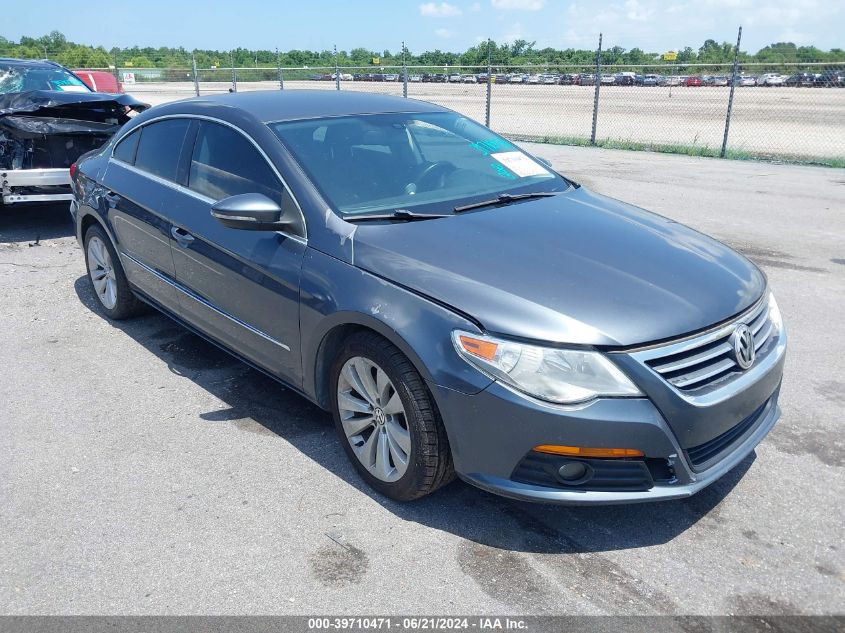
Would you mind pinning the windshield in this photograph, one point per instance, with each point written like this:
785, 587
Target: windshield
22, 78
428, 162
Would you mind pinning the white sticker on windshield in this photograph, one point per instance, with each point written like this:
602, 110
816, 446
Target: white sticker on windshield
520, 164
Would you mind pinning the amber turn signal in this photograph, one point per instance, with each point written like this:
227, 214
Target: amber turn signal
580, 451
478, 347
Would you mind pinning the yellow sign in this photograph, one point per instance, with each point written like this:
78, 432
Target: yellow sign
670, 56
376, 61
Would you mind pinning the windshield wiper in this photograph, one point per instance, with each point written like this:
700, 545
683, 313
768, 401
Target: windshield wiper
398, 214
505, 198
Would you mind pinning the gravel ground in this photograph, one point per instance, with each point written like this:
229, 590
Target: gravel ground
801, 122
142, 471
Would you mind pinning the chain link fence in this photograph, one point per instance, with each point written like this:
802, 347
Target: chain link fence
782, 111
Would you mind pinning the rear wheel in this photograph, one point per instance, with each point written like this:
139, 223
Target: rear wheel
387, 421
107, 278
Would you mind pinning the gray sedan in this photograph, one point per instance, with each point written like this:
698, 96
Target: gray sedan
458, 306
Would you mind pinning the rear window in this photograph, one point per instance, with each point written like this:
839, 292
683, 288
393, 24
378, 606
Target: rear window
126, 148
160, 147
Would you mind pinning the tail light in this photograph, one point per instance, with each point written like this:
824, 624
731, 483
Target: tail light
73, 170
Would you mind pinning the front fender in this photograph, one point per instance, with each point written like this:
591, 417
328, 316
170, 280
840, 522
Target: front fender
334, 294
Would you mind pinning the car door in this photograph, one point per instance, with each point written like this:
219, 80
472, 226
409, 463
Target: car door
242, 286
142, 174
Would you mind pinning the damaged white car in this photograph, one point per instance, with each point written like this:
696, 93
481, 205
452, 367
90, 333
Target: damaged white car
48, 119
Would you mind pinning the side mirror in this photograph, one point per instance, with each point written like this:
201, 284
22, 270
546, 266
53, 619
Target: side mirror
249, 211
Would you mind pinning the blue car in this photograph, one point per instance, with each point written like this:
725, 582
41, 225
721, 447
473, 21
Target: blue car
459, 307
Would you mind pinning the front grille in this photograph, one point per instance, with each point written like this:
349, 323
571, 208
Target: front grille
705, 361
705, 454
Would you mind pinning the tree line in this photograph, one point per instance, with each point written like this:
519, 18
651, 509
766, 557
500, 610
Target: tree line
57, 47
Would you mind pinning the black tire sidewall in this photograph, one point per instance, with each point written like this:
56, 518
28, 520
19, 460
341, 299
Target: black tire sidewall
413, 480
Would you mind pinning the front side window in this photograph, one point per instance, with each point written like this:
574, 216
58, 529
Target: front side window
430, 162
225, 163
160, 147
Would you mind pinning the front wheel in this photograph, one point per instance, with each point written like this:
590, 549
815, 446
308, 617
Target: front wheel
387, 421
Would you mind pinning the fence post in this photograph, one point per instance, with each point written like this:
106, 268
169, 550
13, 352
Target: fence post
731, 95
404, 73
489, 85
596, 98
234, 76
279, 66
336, 69
116, 74
196, 79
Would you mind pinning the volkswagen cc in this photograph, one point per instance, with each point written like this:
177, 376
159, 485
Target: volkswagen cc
458, 306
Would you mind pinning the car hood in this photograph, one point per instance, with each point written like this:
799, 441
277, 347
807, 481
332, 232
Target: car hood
69, 103
576, 268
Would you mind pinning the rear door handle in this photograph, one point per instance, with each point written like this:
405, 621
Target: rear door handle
182, 237
112, 199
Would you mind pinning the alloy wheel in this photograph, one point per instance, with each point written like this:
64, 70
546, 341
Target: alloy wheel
101, 271
373, 419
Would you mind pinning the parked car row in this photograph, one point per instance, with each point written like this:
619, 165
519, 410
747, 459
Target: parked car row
823, 79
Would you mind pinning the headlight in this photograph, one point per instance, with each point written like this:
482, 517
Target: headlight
563, 376
774, 313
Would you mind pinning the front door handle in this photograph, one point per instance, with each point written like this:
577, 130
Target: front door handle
182, 237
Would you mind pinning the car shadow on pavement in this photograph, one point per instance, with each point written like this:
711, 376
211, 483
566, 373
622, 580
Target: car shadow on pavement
256, 403
35, 222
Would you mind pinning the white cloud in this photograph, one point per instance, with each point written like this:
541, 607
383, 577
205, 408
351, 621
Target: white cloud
475, 7
796, 37
442, 10
516, 32
443, 33
518, 5
637, 12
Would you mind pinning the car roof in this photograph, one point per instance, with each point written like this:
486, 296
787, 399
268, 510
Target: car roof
288, 105
30, 63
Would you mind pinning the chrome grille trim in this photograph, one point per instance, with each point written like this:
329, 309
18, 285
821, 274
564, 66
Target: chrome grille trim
695, 364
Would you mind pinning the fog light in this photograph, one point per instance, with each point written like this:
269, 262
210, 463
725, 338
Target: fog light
572, 471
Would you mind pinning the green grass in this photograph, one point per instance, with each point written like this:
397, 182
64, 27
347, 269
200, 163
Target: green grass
684, 149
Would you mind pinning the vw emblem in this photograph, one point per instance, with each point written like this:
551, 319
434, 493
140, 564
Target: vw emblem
742, 341
378, 414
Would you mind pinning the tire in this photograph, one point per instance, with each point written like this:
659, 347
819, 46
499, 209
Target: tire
108, 281
428, 464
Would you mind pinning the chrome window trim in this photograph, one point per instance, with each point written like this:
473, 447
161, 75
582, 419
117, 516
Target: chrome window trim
207, 304
164, 181
203, 117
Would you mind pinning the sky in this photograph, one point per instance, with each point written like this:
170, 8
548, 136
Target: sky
453, 25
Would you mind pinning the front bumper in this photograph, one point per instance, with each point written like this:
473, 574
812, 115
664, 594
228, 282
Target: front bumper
660, 492
492, 434
35, 185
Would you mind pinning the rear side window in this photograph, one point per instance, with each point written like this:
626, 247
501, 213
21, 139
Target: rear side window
226, 164
160, 147
125, 150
